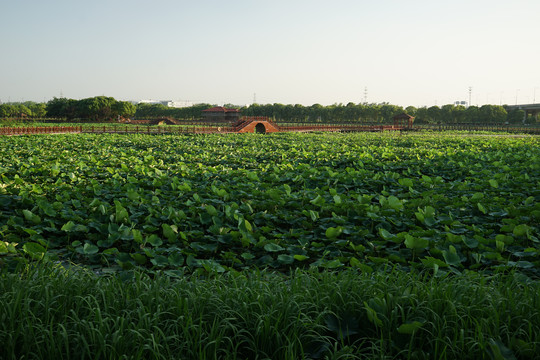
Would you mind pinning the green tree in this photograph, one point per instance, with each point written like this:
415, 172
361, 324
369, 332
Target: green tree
411, 110
316, 113
516, 116
61, 108
145, 110
459, 114
39, 110
299, 113
353, 112
279, 111
446, 114
433, 113
388, 112
23, 111
102, 108
7, 110
124, 109
471, 114
492, 114
338, 113
422, 116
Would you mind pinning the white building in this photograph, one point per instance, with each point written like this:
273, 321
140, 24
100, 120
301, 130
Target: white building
169, 103
180, 104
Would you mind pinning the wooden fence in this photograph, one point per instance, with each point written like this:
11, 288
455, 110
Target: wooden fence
339, 128
115, 130
481, 127
40, 130
191, 129
158, 129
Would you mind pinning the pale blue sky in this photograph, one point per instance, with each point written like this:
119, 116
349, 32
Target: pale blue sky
417, 52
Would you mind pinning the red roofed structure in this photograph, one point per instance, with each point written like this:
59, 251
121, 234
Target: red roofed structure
403, 120
221, 114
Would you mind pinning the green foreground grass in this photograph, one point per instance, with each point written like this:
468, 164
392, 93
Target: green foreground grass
49, 312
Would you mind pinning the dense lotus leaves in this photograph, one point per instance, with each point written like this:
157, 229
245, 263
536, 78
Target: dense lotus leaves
226, 203
35, 250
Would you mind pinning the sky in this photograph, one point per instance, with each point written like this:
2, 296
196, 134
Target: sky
403, 52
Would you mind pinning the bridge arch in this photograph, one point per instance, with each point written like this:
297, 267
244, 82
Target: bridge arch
260, 128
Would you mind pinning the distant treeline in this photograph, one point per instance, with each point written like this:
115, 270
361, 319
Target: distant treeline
23, 109
353, 113
383, 113
99, 108
102, 108
149, 111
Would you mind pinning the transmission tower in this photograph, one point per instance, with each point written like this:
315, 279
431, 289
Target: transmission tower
365, 95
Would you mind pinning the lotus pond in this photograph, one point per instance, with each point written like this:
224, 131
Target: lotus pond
213, 203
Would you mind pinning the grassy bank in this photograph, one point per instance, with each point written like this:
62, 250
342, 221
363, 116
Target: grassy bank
52, 313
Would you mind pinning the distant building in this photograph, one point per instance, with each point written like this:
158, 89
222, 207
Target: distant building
153, 102
221, 114
168, 103
180, 104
